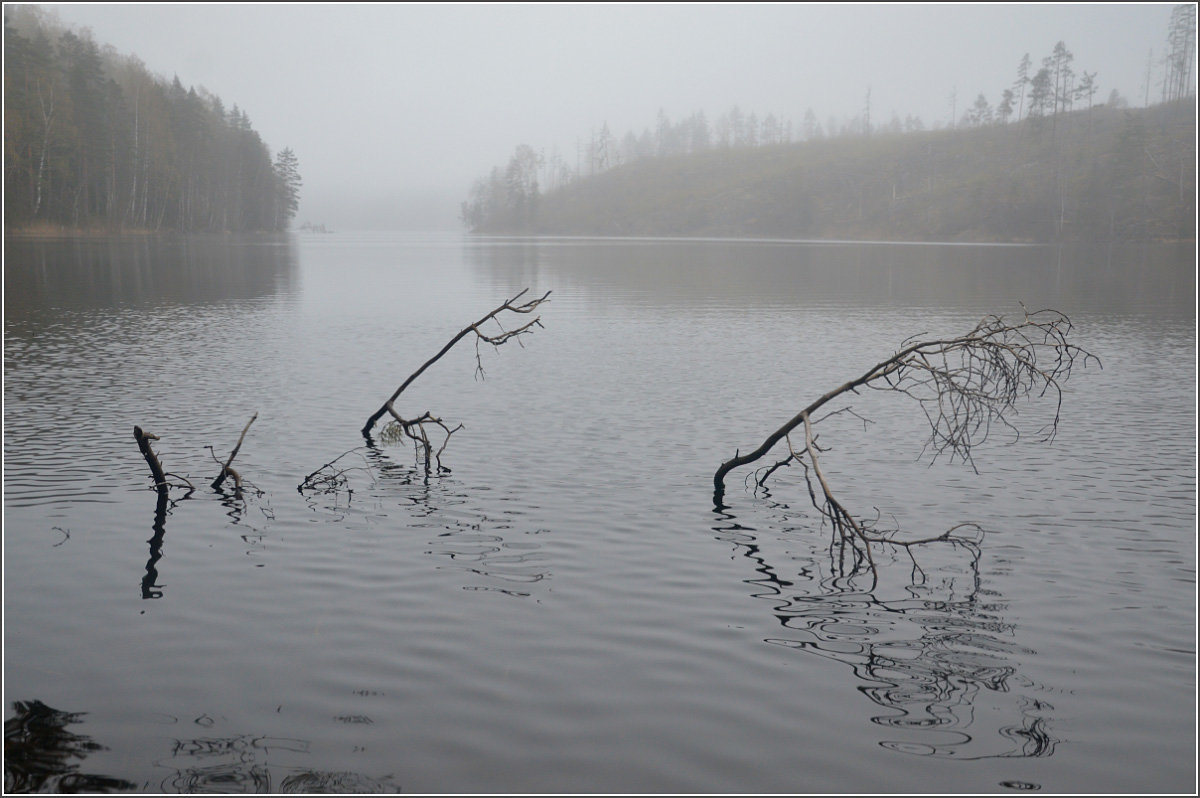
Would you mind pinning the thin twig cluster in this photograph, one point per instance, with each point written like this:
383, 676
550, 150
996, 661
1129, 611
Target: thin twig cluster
331, 477
417, 430
967, 385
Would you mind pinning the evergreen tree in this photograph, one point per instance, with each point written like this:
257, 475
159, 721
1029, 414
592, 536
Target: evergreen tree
287, 174
1021, 82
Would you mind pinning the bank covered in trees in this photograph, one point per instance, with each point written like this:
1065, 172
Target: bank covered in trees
1104, 175
94, 141
1051, 160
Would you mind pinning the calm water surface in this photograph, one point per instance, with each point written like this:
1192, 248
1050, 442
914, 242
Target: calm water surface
566, 611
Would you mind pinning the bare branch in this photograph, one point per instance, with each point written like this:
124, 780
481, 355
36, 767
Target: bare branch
418, 429
226, 470
967, 387
964, 385
161, 483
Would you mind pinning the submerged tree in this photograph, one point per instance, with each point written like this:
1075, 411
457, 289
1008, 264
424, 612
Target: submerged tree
966, 386
418, 429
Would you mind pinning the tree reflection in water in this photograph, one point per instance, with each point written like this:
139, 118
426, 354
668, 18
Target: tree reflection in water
38, 751
933, 650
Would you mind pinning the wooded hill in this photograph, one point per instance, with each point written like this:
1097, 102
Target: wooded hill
94, 141
1097, 174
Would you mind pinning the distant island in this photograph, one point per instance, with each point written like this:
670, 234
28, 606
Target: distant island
95, 143
1099, 174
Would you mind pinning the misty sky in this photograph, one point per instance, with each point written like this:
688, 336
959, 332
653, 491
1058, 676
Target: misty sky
393, 110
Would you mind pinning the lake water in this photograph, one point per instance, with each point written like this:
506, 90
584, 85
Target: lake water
565, 610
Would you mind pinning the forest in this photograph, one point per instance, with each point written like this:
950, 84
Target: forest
1049, 161
96, 142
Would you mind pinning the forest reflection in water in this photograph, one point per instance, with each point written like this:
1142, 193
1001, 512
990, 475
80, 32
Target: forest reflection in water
1116, 278
931, 646
106, 272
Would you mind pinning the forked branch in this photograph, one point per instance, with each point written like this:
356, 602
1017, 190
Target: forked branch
418, 429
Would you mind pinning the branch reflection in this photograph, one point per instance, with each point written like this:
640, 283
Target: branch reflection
257, 764
150, 587
938, 657
495, 550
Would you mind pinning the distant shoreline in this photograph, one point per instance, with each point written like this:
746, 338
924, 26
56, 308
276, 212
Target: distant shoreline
97, 235
53, 232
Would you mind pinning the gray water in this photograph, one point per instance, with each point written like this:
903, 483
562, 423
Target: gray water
566, 611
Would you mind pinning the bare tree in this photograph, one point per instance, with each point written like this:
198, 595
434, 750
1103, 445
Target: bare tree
966, 386
418, 429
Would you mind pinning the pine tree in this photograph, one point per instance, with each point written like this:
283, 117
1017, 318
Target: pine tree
287, 176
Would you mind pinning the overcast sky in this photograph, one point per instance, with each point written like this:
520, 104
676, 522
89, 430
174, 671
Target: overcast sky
394, 109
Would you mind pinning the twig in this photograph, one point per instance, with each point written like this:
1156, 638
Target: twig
330, 479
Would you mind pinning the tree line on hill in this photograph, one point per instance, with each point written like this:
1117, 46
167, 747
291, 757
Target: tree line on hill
1036, 120
94, 141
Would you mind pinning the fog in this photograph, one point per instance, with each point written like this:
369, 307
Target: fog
394, 110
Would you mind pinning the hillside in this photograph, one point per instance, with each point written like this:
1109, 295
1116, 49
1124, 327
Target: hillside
1095, 174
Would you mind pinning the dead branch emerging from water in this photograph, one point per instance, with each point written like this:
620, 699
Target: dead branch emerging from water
418, 429
227, 468
966, 386
161, 483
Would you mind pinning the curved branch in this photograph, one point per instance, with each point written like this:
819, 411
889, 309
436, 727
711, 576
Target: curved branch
495, 340
964, 385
